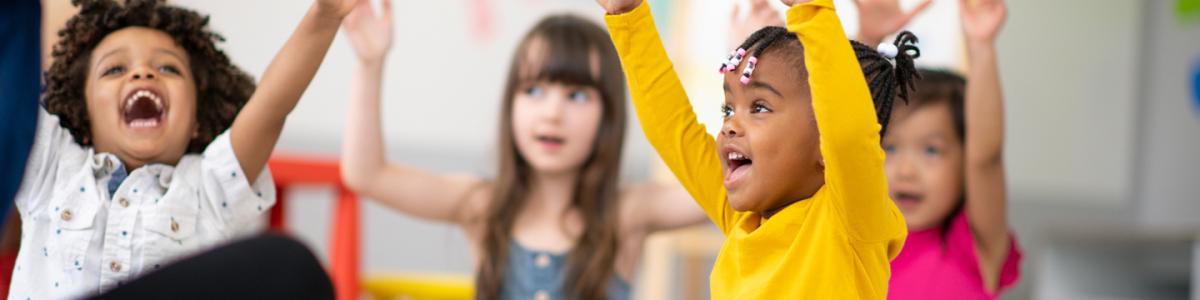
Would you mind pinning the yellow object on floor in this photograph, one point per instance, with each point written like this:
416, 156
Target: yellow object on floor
419, 286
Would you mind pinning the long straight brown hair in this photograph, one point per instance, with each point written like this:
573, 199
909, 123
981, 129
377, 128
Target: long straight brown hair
572, 45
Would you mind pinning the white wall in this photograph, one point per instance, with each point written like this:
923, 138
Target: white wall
1169, 125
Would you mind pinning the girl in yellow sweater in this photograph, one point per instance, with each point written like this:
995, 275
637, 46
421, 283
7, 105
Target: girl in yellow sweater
795, 177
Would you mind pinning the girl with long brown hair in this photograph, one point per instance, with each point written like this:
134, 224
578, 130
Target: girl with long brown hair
554, 223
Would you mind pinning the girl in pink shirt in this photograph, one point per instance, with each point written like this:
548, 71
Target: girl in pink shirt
945, 167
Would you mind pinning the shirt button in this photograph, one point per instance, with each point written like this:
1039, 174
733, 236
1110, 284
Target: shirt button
124, 202
114, 266
174, 225
66, 215
541, 295
542, 261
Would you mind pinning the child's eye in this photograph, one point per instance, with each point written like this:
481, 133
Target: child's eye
889, 149
114, 70
932, 151
169, 69
759, 108
579, 96
534, 91
726, 111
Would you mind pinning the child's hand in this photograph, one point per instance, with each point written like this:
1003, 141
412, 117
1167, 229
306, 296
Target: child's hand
982, 19
761, 15
370, 34
336, 9
791, 3
616, 7
879, 18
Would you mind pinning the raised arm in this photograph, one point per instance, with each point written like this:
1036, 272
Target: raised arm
662, 107
879, 18
664, 206
847, 125
257, 127
759, 14
986, 207
364, 169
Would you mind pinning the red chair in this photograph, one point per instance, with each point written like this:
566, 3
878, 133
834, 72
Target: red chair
292, 171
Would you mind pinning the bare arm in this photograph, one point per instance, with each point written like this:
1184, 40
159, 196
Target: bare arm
257, 127
986, 206
364, 169
758, 15
664, 206
880, 18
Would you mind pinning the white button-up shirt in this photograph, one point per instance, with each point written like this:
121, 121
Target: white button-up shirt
76, 240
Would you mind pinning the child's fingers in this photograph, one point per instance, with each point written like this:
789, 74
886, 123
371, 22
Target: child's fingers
387, 10
361, 8
733, 13
353, 17
364, 5
920, 7
757, 5
768, 17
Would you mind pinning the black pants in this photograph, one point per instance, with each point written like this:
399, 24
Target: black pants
264, 267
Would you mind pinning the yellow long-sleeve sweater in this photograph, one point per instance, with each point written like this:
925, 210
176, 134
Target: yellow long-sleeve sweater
835, 245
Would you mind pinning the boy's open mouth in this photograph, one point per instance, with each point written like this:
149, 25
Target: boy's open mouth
143, 108
737, 165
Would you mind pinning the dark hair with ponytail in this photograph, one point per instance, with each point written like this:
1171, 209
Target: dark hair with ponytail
887, 81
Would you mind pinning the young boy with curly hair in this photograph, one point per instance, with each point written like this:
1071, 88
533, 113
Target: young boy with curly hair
152, 144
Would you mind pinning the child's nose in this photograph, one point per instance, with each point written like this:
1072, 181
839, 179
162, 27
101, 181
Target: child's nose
555, 109
142, 73
904, 167
732, 127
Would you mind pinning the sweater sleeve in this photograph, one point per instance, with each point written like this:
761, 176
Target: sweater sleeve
667, 117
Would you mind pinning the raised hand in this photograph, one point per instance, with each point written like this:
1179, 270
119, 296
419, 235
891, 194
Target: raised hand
761, 15
616, 7
880, 18
370, 34
335, 8
982, 19
791, 3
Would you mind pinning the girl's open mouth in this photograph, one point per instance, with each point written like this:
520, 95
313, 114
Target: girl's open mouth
907, 199
736, 167
551, 143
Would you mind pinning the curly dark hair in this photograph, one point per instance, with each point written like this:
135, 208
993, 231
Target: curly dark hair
221, 88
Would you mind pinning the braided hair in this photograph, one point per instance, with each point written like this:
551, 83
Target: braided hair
888, 81
883, 77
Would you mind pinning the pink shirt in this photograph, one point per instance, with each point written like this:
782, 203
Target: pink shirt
933, 267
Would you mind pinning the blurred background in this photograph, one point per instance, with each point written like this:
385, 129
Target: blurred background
1103, 129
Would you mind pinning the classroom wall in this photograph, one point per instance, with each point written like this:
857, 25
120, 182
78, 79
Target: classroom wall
1168, 130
